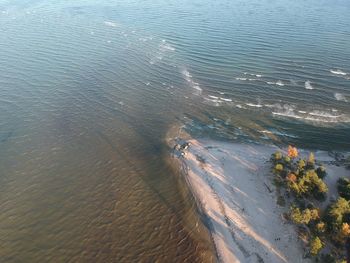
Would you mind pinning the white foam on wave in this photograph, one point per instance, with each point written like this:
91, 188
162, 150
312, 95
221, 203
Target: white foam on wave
240, 106
340, 97
278, 83
224, 99
194, 85
213, 97
110, 23
254, 105
165, 46
314, 116
238, 78
266, 131
251, 74
214, 102
187, 74
323, 114
338, 72
197, 88
308, 85
275, 132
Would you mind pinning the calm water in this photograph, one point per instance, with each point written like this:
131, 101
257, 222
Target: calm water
89, 89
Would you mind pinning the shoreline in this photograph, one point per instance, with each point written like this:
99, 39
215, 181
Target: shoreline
232, 186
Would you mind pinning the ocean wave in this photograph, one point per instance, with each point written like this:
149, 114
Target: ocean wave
250, 74
194, 85
166, 47
338, 72
315, 116
110, 23
340, 97
275, 132
225, 99
254, 105
278, 83
308, 85
213, 102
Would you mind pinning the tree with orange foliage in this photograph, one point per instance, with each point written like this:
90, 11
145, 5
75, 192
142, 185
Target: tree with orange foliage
292, 152
291, 177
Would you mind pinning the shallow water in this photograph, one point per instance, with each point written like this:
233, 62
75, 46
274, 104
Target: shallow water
89, 89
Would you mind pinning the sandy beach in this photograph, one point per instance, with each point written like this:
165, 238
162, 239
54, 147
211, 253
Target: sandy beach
232, 184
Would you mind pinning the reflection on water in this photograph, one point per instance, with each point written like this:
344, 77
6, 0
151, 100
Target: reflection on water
88, 91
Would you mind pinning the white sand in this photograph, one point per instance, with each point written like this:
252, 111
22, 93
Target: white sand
228, 181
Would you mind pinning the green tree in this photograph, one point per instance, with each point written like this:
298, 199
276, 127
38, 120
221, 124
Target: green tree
344, 188
311, 161
303, 216
315, 245
321, 172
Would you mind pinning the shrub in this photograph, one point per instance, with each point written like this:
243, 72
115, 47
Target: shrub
337, 214
292, 152
321, 172
345, 229
277, 156
308, 184
311, 161
291, 177
315, 245
343, 185
301, 164
304, 216
320, 227
278, 168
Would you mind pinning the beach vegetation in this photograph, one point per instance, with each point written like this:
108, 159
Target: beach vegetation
343, 186
302, 182
292, 152
315, 246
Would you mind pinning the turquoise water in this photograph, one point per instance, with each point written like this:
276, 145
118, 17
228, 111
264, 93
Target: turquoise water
89, 90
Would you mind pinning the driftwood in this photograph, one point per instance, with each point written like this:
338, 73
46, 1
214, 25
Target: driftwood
268, 188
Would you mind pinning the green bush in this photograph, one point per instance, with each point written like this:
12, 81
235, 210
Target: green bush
277, 156
343, 185
337, 214
278, 168
321, 172
301, 164
303, 216
315, 245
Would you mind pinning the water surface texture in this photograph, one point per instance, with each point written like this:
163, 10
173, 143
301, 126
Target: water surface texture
89, 89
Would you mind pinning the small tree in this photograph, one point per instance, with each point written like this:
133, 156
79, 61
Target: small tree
315, 246
301, 164
292, 152
311, 161
278, 169
321, 172
320, 227
344, 188
277, 156
304, 216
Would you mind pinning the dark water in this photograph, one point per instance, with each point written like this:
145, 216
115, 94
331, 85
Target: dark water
89, 90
